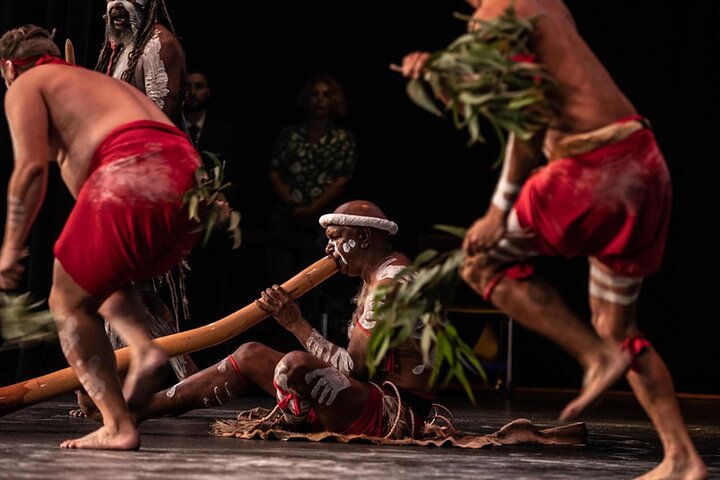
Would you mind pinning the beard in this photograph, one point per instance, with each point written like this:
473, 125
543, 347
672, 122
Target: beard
124, 34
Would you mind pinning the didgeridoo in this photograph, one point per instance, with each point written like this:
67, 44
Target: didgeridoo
23, 394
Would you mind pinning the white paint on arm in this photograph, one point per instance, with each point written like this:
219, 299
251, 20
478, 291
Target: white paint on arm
156, 78
321, 348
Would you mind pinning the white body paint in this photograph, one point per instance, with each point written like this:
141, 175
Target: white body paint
126, 180
612, 297
16, 210
222, 366
613, 280
367, 319
321, 348
171, 391
281, 381
328, 383
156, 78
387, 270
94, 387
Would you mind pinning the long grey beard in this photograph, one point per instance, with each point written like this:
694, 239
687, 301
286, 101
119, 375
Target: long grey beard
126, 37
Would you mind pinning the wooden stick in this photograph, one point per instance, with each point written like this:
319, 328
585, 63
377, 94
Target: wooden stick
69, 51
23, 394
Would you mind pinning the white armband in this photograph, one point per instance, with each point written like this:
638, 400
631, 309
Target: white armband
505, 191
505, 195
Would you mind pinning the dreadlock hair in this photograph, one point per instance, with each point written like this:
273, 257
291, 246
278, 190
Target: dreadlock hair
27, 41
151, 17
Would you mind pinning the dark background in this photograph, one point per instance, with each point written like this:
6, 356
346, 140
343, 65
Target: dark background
417, 167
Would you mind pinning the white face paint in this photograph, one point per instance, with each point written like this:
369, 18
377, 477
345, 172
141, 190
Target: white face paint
337, 249
118, 34
418, 369
321, 348
328, 383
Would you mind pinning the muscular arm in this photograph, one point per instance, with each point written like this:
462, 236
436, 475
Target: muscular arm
280, 305
520, 158
172, 59
28, 122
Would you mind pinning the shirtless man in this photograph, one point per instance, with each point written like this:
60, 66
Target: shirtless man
325, 387
141, 50
127, 166
606, 195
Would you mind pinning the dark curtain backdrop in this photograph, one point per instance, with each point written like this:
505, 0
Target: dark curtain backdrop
418, 167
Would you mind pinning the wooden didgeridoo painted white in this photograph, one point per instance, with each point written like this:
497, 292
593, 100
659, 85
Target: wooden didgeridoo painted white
23, 394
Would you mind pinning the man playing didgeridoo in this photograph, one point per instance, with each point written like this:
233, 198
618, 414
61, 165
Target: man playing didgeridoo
325, 387
605, 194
128, 167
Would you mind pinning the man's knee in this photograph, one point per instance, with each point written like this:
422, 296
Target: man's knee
295, 365
478, 272
248, 353
613, 326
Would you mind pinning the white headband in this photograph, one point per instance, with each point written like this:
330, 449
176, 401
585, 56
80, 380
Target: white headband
345, 220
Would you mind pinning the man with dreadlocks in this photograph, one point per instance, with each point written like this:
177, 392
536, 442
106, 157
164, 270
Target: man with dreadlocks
142, 51
128, 168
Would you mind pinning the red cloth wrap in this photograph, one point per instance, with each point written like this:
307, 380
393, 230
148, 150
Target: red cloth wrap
128, 222
612, 203
516, 271
371, 421
635, 345
288, 397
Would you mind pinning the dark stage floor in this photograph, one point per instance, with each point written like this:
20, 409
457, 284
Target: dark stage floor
621, 444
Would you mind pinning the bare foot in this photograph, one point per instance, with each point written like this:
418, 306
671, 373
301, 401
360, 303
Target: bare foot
126, 438
685, 468
147, 371
87, 409
602, 375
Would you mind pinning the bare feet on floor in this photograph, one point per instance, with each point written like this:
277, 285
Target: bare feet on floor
607, 370
689, 467
145, 376
87, 408
126, 438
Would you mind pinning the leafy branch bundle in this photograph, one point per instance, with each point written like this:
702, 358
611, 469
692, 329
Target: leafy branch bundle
415, 309
490, 73
206, 201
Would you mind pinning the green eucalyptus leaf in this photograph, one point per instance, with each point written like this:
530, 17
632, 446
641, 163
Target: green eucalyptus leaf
417, 93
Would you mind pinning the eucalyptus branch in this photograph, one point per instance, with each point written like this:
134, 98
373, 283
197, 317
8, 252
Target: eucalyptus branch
22, 322
490, 73
414, 310
206, 202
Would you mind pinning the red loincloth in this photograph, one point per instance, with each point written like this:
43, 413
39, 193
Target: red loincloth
128, 222
612, 203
